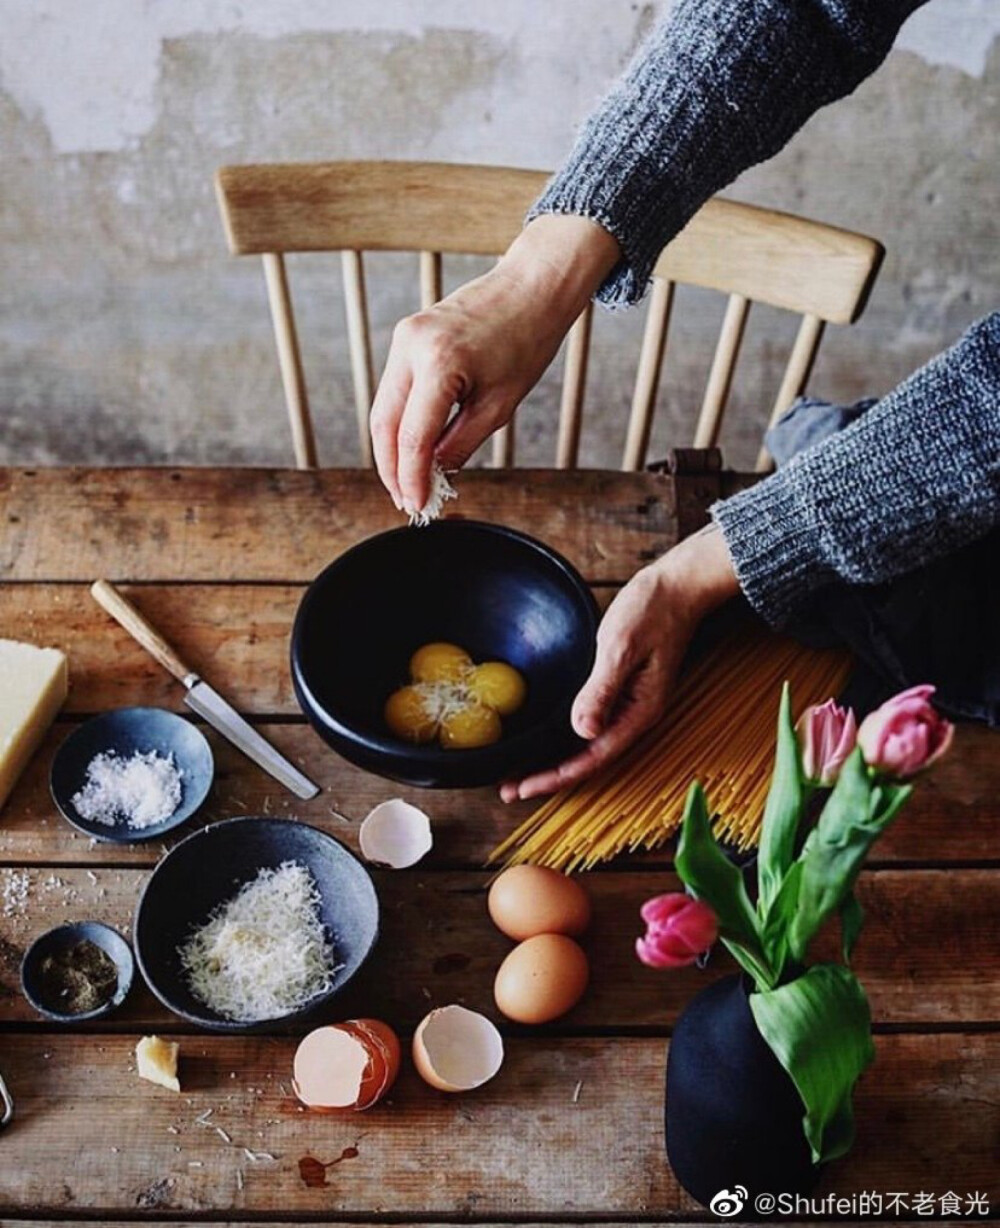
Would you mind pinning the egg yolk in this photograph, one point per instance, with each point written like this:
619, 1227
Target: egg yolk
469, 727
439, 663
407, 716
498, 685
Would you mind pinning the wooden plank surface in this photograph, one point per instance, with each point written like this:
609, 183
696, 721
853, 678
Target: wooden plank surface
283, 525
953, 816
438, 945
518, 1147
572, 1127
236, 636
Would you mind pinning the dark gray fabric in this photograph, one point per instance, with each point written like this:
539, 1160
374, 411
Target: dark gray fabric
717, 86
939, 623
915, 477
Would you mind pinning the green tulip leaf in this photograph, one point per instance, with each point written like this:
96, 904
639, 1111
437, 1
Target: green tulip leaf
819, 1028
852, 918
712, 877
855, 815
783, 810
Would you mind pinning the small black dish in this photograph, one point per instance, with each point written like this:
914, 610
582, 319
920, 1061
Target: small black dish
58, 939
497, 593
125, 731
209, 867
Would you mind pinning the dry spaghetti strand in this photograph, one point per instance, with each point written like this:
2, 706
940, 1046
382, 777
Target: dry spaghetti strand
719, 730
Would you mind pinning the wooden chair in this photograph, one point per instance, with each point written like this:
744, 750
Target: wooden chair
820, 272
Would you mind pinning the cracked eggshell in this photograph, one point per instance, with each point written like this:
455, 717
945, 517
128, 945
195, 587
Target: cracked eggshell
346, 1065
455, 1049
395, 834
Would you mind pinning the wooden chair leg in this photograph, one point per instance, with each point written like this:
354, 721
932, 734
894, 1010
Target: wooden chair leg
359, 341
796, 376
647, 379
720, 377
430, 279
290, 360
573, 390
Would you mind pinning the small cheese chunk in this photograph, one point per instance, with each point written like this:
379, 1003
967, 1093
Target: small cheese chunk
156, 1060
33, 685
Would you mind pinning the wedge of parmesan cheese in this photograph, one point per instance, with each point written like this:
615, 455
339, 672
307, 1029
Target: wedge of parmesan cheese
156, 1060
33, 686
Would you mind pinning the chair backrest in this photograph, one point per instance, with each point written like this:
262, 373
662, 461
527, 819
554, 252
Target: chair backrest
751, 254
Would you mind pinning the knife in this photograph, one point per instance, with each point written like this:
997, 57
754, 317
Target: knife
202, 698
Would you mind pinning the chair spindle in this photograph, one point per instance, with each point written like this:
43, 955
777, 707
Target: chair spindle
290, 360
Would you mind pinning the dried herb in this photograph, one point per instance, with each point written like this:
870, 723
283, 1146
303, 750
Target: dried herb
77, 979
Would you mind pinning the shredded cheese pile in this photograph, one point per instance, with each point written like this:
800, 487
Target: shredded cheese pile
264, 953
140, 791
443, 699
441, 491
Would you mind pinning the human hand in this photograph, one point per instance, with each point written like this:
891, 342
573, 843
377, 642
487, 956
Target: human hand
484, 347
640, 645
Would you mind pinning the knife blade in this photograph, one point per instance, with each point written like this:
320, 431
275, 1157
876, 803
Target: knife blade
221, 715
202, 698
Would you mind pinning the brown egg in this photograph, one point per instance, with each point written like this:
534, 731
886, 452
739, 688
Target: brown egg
529, 900
541, 979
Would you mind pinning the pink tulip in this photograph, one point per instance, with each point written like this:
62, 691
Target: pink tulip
905, 735
826, 734
678, 930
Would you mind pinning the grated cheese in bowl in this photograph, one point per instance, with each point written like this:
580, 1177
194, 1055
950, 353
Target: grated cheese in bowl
264, 953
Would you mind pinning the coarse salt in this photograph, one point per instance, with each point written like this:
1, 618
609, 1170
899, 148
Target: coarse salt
141, 791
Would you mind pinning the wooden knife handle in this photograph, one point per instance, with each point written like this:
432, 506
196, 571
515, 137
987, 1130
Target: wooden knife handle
124, 612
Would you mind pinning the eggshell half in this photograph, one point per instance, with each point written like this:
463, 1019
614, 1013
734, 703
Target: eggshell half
384, 1050
528, 900
395, 834
541, 979
346, 1065
455, 1049
329, 1069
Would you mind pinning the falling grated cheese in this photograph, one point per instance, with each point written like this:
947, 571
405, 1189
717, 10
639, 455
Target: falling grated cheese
441, 491
265, 952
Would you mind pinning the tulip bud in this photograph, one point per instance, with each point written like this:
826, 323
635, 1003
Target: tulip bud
678, 930
905, 735
826, 734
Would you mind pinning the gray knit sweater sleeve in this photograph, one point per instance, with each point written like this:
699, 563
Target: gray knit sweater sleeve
914, 478
718, 86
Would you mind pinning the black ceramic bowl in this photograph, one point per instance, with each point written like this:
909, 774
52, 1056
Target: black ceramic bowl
63, 936
497, 593
209, 867
125, 731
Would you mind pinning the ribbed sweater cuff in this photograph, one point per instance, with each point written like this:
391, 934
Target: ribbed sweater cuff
576, 192
773, 544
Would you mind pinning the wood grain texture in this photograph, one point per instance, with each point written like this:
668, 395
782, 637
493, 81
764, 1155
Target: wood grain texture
771, 257
953, 817
91, 1138
438, 945
281, 525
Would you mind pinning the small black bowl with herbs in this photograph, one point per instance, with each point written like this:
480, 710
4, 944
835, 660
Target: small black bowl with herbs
77, 972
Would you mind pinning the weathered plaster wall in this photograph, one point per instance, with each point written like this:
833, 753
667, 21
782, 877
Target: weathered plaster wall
127, 332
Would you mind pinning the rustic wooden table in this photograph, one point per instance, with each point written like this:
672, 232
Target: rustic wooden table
571, 1129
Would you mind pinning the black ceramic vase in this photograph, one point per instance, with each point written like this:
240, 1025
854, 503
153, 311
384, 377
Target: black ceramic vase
733, 1115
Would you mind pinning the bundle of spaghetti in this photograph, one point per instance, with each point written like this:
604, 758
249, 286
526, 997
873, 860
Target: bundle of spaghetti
720, 730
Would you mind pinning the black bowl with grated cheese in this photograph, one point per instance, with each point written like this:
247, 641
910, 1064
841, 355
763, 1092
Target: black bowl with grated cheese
498, 593
204, 872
